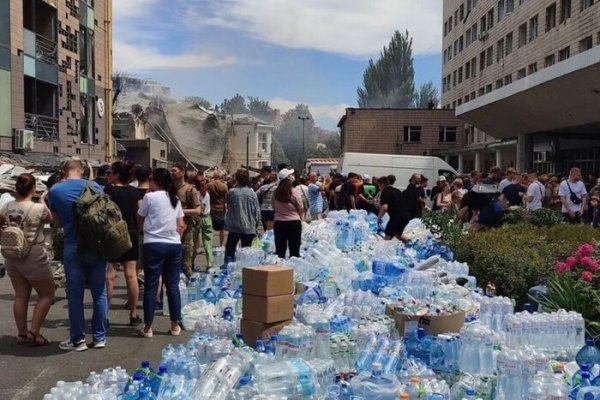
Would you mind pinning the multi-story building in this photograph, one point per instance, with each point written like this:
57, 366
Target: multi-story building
524, 75
409, 131
250, 142
53, 77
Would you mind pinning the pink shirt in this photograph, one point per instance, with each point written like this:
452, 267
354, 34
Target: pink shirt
291, 210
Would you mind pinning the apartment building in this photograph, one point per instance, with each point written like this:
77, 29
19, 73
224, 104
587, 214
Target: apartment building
251, 141
408, 131
53, 77
524, 75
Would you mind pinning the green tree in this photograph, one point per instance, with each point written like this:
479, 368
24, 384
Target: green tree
198, 100
278, 155
389, 81
261, 109
428, 93
237, 105
334, 146
290, 136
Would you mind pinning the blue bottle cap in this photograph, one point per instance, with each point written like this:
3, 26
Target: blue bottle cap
145, 364
162, 369
590, 342
245, 380
470, 392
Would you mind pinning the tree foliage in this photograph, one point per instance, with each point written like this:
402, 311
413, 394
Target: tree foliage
389, 81
261, 109
237, 105
427, 94
198, 100
290, 136
278, 155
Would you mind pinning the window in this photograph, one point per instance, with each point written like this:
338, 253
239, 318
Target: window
460, 44
445, 28
468, 37
586, 4
533, 28
412, 134
163, 154
483, 25
454, 78
459, 102
263, 145
490, 19
565, 10
445, 56
586, 44
467, 98
507, 80
468, 70
448, 81
449, 53
455, 17
489, 88
499, 83
532, 69
472, 95
510, 6
508, 47
86, 52
55, 149
564, 54
87, 125
481, 91
450, 24
522, 73
501, 10
455, 46
473, 67
482, 60
489, 56
469, 5
549, 61
474, 33
462, 11
454, 104
500, 50
444, 85
460, 74
523, 35
447, 134
550, 17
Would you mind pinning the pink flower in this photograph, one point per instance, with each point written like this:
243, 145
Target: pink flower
571, 262
587, 276
590, 263
562, 267
585, 250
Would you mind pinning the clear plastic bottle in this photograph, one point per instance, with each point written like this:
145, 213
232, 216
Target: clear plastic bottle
413, 389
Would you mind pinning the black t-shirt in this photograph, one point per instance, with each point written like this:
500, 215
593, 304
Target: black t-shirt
410, 198
393, 198
348, 189
511, 192
142, 192
126, 197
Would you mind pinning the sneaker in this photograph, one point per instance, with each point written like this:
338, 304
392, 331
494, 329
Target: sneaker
135, 321
67, 345
99, 345
146, 334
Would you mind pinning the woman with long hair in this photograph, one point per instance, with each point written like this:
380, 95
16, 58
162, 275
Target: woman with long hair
443, 199
34, 270
289, 213
206, 229
161, 217
129, 200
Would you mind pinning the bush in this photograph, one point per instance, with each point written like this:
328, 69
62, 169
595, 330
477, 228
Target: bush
517, 256
544, 217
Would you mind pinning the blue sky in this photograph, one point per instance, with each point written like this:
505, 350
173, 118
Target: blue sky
284, 51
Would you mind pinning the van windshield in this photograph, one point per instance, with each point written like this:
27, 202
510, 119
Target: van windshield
450, 176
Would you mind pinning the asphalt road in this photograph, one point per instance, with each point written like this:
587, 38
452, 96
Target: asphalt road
30, 372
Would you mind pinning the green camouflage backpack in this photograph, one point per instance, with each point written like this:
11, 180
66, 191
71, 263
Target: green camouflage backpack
100, 227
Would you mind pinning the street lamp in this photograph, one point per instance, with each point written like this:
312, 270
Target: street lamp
304, 119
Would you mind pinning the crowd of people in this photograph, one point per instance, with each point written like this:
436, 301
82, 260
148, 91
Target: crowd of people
173, 215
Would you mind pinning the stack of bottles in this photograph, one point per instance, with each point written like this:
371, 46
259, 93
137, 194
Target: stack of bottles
217, 326
182, 292
294, 378
297, 341
356, 304
340, 324
343, 352
383, 351
493, 310
476, 351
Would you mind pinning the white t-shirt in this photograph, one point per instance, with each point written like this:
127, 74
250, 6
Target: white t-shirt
504, 183
538, 192
160, 224
578, 188
206, 202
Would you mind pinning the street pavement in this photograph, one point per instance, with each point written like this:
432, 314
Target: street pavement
30, 372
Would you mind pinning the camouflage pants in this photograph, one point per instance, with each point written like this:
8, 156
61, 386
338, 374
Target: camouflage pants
189, 250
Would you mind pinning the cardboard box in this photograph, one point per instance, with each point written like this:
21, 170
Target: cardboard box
268, 280
268, 309
433, 324
251, 330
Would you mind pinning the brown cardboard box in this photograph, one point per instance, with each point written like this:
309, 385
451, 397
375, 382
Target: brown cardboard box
268, 309
251, 330
268, 280
433, 324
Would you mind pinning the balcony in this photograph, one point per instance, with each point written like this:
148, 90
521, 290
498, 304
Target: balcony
40, 47
43, 127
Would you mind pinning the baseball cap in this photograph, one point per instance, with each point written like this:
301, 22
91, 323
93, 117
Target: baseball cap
366, 177
284, 173
441, 178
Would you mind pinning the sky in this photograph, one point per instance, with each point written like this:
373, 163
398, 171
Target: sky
284, 51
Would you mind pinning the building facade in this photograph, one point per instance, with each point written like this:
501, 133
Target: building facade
408, 131
522, 75
251, 141
53, 77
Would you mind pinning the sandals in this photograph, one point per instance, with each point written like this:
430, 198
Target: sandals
25, 339
32, 339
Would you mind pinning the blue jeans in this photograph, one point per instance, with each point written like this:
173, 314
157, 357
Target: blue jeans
162, 259
79, 270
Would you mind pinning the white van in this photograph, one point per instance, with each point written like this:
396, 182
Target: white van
403, 167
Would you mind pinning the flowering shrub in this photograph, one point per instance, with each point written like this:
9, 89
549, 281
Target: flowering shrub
575, 286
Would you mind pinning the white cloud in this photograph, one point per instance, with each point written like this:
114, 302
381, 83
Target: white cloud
142, 58
351, 27
325, 114
131, 8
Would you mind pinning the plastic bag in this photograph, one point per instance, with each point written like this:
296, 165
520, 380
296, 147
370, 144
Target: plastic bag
385, 387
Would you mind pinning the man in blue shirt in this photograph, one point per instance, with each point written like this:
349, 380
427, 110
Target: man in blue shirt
79, 268
315, 197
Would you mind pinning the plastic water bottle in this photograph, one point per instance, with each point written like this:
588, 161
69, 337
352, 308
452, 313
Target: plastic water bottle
210, 296
588, 354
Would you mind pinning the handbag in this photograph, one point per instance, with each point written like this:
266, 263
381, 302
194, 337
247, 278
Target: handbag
573, 197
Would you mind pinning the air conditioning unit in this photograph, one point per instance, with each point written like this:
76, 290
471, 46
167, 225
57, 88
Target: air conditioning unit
23, 140
426, 153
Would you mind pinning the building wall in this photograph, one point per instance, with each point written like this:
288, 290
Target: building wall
238, 146
382, 131
69, 81
5, 107
524, 58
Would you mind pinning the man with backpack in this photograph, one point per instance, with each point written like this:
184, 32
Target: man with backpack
80, 267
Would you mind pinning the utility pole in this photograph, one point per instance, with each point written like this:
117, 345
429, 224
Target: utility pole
248, 150
304, 119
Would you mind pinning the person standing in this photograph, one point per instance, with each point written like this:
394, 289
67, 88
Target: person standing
102, 175
32, 271
243, 214
536, 192
366, 195
80, 268
192, 210
411, 197
161, 217
206, 228
128, 199
514, 192
573, 197
289, 213
217, 190
265, 198
392, 203
315, 197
